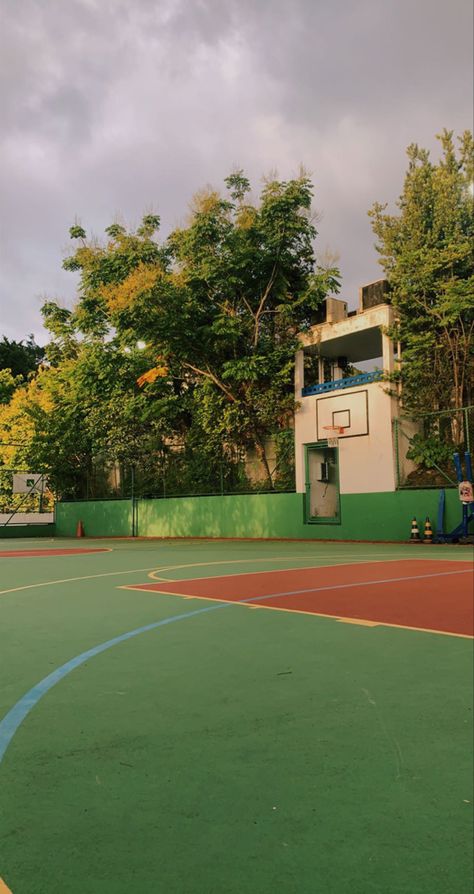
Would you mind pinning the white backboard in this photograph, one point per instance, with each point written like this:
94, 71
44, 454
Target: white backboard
348, 410
28, 483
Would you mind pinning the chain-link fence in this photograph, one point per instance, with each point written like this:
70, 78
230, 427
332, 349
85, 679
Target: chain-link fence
425, 444
179, 470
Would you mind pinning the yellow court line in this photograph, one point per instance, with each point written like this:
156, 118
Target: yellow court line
362, 622
362, 561
359, 622
169, 592
79, 550
365, 622
4, 889
68, 580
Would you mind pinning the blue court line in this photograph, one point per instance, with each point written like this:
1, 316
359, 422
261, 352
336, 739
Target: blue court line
17, 714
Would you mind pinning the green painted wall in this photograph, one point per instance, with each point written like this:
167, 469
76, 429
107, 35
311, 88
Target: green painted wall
101, 518
382, 516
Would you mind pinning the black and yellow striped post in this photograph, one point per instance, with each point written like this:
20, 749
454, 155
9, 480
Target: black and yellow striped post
415, 534
428, 532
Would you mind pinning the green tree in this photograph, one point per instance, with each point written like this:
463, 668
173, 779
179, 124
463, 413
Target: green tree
20, 357
178, 354
427, 252
218, 304
8, 384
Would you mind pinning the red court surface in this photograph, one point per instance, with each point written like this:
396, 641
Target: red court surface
419, 594
40, 553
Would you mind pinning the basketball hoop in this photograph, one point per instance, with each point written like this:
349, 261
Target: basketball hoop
334, 431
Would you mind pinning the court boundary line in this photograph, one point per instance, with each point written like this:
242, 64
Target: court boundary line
275, 570
366, 583
68, 580
146, 588
263, 571
52, 553
358, 622
22, 708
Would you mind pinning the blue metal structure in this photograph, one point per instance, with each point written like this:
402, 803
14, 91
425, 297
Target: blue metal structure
340, 384
462, 530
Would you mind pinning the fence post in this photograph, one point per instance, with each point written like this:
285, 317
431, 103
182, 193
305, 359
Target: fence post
132, 470
397, 453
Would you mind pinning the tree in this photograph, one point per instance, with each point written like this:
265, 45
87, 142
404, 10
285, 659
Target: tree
20, 357
178, 355
427, 252
8, 384
218, 304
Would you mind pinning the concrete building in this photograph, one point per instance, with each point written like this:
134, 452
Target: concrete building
344, 437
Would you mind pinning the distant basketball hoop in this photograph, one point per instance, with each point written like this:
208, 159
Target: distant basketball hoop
334, 431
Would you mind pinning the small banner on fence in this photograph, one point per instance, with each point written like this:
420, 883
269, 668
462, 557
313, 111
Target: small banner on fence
466, 494
28, 483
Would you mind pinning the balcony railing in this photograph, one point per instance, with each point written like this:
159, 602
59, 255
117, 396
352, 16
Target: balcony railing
340, 384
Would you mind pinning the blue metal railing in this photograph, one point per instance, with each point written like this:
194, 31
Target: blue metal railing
339, 384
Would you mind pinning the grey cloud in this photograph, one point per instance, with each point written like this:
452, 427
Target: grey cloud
110, 108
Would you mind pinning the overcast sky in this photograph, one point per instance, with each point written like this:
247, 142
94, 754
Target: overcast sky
112, 108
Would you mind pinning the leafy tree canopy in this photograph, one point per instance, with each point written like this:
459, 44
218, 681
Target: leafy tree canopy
427, 252
179, 344
218, 304
20, 357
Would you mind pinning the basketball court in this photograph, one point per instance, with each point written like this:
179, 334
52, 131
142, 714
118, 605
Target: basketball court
215, 716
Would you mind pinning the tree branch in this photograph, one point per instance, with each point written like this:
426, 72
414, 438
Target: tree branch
262, 302
209, 375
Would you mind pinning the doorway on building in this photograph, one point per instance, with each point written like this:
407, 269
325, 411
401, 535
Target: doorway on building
322, 502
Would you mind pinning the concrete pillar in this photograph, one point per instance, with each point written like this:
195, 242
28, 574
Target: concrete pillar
321, 370
387, 353
299, 373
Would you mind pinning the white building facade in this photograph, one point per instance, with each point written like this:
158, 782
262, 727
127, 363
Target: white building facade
344, 424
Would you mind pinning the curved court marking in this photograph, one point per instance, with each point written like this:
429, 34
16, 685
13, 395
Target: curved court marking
53, 552
67, 580
17, 714
312, 559
345, 586
147, 588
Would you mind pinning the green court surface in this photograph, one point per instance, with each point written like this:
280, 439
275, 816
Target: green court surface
231, 749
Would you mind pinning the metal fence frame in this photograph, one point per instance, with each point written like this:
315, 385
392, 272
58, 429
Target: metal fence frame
468, 420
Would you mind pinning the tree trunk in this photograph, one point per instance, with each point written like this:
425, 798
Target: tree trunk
260, 447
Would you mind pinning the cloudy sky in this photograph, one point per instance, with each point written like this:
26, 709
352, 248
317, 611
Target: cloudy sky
111, 108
